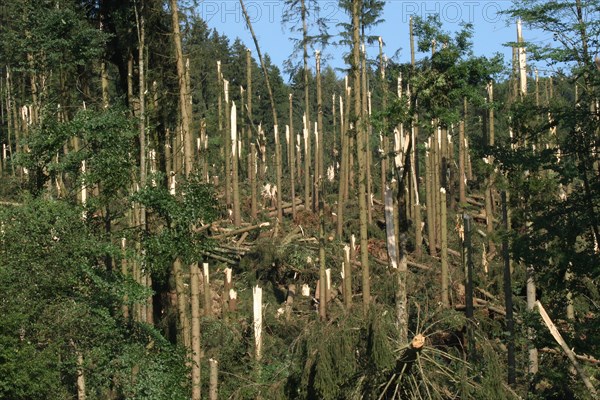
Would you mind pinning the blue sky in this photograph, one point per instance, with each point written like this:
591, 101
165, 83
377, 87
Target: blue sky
491, 29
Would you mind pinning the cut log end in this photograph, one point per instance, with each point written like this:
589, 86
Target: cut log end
418, 342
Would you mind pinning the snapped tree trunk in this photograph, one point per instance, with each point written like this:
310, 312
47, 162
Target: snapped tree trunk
444, 249
195, 300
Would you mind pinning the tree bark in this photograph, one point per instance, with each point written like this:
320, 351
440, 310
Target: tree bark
444, 250
343, 175
361, 157
570, 354
508, 300
462, 176
279, 173
237, 217
195, 300
292, 160
184, 95
213, 393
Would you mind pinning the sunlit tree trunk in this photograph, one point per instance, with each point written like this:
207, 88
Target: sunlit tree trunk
184, 95
195, 300
343, 174
292, 158
361, 157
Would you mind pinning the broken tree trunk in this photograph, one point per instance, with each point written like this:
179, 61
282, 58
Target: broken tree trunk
430, 207
444, 244
194, 284
257, 307
570, 354
207, 292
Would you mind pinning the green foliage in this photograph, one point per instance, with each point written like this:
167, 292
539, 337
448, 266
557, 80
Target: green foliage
107, 136
59, 298
194, 206
450, 74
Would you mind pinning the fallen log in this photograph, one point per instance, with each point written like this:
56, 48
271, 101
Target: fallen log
218, 257
385, 263
10, 203
486, 294
242, 230
287, 210
474, 202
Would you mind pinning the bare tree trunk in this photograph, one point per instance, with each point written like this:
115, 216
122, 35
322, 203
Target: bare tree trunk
489, 209
323, 297
140, 20
228, 148
213, 393
361, 157
462, 176
237, 218
257, 307
307, 180
194, 284
349, 184
347, 276
124, 272
570, 354
384, 137
253, 189
508, 300
11, 132
308, 147
444, 246
278, 169
343, 179
292, 161
184, 325
430, 202
366, 119
412, 43
81, 394
207, 291
249, 105
320, 176
184, 95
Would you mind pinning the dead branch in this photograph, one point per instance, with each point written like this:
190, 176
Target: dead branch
570, 353
582, 357
242, 230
